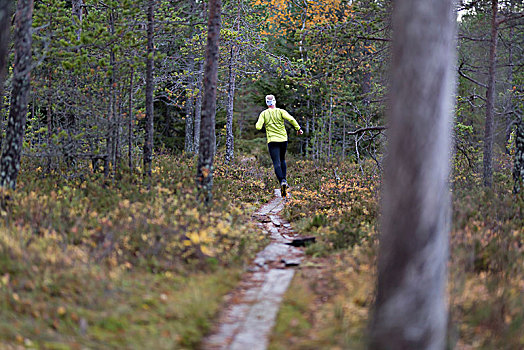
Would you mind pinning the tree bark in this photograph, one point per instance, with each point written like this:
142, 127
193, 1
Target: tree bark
204, 178
148, 145
230, 139
490, 99
410, 311
10, 162
5, 8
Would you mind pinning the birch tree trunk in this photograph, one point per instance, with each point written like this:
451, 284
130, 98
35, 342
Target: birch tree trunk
10, 162
148, 145
204, 178
490, 99
410, 311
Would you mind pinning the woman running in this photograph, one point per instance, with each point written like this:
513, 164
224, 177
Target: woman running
273, 119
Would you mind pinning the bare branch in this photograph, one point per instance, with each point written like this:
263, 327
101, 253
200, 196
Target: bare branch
361, 130
470, 79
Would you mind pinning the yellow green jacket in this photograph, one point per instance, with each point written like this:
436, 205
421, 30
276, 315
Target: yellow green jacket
273, 119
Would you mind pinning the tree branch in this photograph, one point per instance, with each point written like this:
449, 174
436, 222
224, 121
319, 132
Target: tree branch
470, 79
361, 130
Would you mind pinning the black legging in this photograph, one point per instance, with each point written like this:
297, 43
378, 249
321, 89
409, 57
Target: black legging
277, 151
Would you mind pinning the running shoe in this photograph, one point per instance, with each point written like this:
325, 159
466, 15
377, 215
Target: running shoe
283, 188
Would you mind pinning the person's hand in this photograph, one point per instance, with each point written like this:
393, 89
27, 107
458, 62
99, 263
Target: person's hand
300, 132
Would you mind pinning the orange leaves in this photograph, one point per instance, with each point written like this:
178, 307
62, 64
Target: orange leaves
286, 16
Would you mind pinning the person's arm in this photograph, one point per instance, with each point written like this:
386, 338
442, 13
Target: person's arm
260, 122
290, 119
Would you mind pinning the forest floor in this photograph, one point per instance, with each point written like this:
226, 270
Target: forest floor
90, 263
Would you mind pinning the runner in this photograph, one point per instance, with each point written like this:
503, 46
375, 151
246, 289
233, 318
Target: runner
273, 119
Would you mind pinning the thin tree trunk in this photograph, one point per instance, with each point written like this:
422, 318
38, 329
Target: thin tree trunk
77, 16
204, 178
49, 118
344, 137
230, 140
490, 99
410, 311
130, 123
10, 162
518, 167
198, 110
118, 115
510, 96
330, 122
189, 145
148, 145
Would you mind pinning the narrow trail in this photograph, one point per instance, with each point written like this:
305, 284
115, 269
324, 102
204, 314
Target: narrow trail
250, 310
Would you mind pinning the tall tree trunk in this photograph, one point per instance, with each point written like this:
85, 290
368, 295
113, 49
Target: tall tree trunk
10, 162
148, 145
204, 178
230, 140
410, 311
490, 99
198, 110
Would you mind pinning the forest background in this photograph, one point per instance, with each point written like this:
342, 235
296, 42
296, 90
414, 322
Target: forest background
99, 201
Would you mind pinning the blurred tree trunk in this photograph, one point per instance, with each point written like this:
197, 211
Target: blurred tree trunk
410, 311
10, 162
148, 145
204, 179
490, 99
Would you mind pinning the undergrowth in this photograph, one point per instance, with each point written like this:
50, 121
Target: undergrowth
90, 262
338, 203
